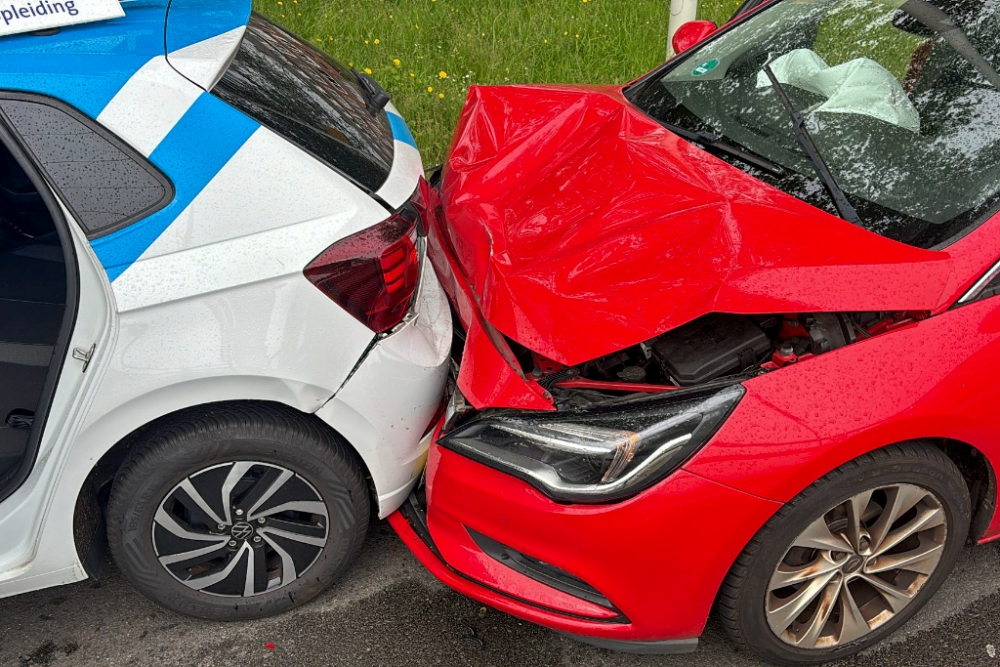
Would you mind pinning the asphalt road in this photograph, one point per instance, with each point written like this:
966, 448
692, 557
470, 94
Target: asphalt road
389, 611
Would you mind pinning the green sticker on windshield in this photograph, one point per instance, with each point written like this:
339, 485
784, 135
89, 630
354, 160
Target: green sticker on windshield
706, 67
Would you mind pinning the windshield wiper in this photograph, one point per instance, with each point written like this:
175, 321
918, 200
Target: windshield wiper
716, 142
374, 95
844, 207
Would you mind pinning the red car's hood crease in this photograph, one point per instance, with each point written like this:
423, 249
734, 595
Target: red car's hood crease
584, 227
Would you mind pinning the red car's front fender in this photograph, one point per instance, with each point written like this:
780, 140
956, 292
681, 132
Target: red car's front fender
937, 379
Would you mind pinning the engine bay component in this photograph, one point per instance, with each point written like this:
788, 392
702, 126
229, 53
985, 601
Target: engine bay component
632, 374
604, 385
710, 347
820, 333
714, 348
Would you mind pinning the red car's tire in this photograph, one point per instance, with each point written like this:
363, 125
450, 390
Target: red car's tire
894, 522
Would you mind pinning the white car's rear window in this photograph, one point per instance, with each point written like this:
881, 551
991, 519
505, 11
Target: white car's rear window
311, 100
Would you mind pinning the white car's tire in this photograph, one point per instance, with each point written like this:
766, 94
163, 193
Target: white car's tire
237, 511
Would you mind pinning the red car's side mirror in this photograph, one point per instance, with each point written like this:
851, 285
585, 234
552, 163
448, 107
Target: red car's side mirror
691, 33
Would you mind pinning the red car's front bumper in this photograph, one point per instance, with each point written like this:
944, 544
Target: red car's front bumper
637, 575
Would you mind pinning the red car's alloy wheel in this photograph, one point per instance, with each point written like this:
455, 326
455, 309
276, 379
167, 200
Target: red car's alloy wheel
857, 566
850, 559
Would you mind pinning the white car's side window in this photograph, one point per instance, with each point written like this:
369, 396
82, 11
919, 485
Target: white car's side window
107, 185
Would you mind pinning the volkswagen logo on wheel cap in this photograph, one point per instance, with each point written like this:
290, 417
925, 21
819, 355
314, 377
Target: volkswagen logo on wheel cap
242, 531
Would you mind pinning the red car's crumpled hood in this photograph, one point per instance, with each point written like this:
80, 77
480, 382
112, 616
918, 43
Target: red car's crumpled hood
584, 227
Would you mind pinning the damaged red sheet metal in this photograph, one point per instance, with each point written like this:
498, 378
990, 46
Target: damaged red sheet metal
490, 374
579, 226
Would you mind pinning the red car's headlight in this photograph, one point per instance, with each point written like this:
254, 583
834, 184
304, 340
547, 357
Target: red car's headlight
599, 454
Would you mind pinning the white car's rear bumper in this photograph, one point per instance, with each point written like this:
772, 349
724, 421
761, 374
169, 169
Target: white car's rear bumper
386, 406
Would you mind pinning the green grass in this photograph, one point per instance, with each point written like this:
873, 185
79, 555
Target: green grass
428, 52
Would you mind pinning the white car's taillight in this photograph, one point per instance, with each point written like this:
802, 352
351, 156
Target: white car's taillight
374, 273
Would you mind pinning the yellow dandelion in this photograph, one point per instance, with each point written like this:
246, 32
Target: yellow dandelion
280, 3
397, 62
442, 74
377, 41
412, 75
440, 96
564, 34
430, 89
368, 71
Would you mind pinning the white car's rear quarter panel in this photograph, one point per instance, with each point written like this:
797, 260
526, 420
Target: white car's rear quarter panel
388, 403
221, 293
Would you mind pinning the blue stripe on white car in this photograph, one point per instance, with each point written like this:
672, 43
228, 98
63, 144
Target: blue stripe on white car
149, 105
400, 132
196, 149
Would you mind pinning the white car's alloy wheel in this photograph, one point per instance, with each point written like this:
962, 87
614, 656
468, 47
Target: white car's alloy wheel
237, 511
240, 529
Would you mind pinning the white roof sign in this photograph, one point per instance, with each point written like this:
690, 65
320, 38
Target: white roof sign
18, 16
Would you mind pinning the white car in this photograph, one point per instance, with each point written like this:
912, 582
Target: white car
218, 328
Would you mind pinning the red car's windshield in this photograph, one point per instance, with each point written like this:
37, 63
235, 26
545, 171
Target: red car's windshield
901, 99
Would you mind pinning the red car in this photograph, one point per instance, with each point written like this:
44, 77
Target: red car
730, 335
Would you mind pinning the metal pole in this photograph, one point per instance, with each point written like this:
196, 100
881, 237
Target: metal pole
681, 11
